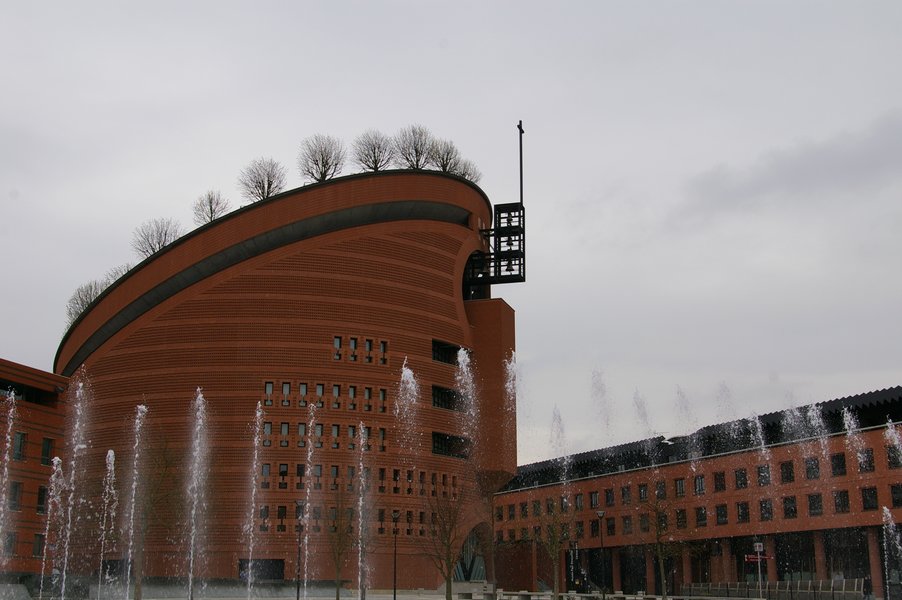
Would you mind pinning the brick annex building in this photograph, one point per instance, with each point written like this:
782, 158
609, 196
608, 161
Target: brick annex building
797, 482
309, 303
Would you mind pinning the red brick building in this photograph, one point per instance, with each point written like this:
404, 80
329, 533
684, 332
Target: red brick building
312, 301
37, 433
805, 484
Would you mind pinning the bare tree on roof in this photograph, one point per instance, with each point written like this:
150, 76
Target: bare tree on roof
467, 169
81, 298
412, 147
322, 157
374, 151
209, 207
444, 156
115, 273
154, 235
262, 178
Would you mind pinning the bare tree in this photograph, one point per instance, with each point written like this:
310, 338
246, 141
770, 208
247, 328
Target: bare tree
374, 151
655, 512
412, 147
554, 535
322, 157
154, 235
444, 156
444, 536
209, 207
467, 169
115, 273
262, 178
81, 298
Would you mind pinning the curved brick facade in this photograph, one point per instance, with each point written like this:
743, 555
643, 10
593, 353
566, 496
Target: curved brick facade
312, 298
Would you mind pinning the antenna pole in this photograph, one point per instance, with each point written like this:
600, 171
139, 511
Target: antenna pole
520, 128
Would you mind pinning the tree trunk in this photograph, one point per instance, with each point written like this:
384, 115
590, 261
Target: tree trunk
556, 567
663, 575
448, 594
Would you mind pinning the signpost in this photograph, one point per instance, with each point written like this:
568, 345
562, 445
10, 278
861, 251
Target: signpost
759, 548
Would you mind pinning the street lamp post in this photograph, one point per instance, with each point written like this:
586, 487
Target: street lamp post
395, 515
600, 514
298, 514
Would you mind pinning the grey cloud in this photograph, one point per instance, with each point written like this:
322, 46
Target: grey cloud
849, 163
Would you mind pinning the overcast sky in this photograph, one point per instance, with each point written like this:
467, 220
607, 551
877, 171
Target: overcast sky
713, 189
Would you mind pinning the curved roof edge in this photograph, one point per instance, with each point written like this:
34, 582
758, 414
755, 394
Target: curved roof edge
292, 232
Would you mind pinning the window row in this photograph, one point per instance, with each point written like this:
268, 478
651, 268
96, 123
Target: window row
316, 395
318, 432
353, 350
20, 447
11, 542
743, 512
335, 518
14, 497
409, 482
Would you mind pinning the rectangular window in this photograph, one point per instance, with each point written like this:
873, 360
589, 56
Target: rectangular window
524, 511
594, 529
536, 508
721, 512
267, 388
42, 500
15, 495
37, 548
336, 390
763, 475
625, 495
742, 479
283, 469
813, 468
896, 493
301, 467
893, 457
302, 429
578, 502
787, 472
838, 464
286, 388
320, 389
766, 509
444, 352
446, 398
609, 497
580, 530
720, 481
265, 469
815, 505
661, 490
46, 451
841, 501
19, 445
742, 512
701, 516
627, 525
302, 389
336, 430
643, 492
318, 430
283, 429
681, 518
699, 485
610, 525
643, 523
593, 499
9, 544
866, 461
790, 510
511, 512
679, 487
869, 498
